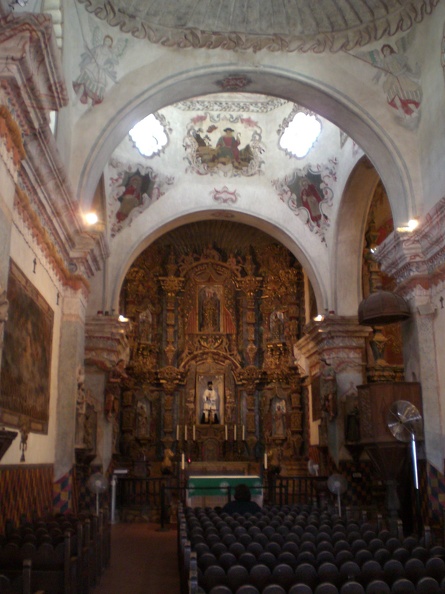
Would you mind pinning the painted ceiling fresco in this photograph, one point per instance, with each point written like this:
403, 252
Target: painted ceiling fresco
230, 140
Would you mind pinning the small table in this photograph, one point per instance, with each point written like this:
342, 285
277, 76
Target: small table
213, 490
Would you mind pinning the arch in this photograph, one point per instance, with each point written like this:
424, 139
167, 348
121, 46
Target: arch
317, 276
107, 127
350, 233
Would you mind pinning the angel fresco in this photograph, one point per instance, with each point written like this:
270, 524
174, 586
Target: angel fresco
400, 80
97, 66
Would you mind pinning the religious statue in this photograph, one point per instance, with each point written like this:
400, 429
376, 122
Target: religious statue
81, 409
277, 326
209, 310
113, 389
141, 421
166, 464
278, 417
210, 405
328, 390
352, 421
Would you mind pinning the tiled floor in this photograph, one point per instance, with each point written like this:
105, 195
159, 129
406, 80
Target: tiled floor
143, 561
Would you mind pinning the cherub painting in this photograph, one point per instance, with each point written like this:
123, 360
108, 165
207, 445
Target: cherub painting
97, 67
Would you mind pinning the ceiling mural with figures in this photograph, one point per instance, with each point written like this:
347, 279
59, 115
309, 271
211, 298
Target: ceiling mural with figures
226, 144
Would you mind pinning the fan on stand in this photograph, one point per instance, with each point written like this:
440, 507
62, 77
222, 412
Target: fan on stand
405, 423
97, 483
337, 484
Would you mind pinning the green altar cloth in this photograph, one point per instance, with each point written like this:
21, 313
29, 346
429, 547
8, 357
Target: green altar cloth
214, 490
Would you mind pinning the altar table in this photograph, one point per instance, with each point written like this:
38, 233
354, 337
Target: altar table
211, 491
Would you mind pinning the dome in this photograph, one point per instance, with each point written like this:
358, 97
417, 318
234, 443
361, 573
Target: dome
382, 307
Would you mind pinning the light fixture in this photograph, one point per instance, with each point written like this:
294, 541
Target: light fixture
409, 227
319, 318
91, 218
123, 319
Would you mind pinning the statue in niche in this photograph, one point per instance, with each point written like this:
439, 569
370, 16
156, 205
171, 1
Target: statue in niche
328, 390
145, 326
278, 406
113, 390
209, 309
210, 408
81, 411
277, 326
166, 464
352, 420
141, 421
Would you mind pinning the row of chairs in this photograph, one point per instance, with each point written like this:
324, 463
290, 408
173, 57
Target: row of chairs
305, 546
66, 554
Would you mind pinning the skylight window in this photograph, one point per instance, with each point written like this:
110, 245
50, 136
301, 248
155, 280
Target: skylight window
149, 136
300, 134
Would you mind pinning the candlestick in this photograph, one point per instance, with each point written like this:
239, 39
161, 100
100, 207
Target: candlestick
226, 432
234, 433
244, 433
182, 461
194, 432
185, 432
177, 432
265, 461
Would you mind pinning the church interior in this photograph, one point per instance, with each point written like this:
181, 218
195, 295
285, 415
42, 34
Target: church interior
222, 256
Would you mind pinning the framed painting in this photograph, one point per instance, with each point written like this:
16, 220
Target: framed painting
26, 363
210, 399
210, 306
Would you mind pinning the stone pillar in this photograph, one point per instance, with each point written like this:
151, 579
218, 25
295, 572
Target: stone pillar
105, 344
70, 358
341, 343
416, 261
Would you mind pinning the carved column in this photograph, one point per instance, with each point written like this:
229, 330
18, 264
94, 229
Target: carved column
170, 379
250, 286
171, 286
417, 262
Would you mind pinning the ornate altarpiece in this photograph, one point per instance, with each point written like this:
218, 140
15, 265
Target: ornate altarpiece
211, 354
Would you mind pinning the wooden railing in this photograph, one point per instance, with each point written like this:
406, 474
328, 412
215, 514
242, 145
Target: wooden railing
157, 493
292, 490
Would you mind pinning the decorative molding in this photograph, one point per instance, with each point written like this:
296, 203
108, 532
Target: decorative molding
417, 258
225, 196
11, 149
186, 26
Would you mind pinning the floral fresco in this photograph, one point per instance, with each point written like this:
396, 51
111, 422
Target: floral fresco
224, 144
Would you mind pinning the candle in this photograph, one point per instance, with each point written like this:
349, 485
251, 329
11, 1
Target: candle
177, 432
182, 461
226, 431
194, 432
265, 460
185, 432
234, 433
244, 432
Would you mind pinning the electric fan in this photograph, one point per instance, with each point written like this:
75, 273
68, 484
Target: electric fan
405, 423
97, 483
337, 484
